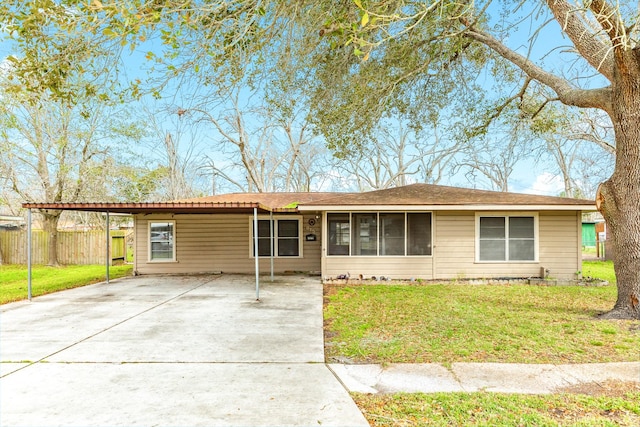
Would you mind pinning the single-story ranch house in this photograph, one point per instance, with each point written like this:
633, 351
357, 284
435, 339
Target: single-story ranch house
415, 231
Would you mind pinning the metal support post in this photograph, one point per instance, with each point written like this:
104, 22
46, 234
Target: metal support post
255, 251
108, 245
29, 277
273, 246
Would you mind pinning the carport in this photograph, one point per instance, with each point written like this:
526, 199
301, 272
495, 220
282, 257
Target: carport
176, 207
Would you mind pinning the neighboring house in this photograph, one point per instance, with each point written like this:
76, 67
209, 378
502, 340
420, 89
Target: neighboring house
416, 231
11, 222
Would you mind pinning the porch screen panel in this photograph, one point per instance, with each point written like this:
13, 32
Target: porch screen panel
419, 234
339, 230
364, 234
392, 234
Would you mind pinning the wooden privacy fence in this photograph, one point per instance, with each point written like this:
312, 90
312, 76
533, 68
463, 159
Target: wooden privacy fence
74, 247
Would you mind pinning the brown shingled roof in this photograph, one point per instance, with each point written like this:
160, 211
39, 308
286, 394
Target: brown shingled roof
439, 195
425, 196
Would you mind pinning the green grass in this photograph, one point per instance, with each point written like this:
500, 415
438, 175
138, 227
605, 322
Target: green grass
445, 323
600, 270
495, 409
13, 279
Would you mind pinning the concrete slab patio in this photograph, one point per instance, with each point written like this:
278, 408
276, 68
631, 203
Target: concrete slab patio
168, 351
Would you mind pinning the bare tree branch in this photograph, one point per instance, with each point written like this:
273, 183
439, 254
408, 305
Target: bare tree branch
568, 94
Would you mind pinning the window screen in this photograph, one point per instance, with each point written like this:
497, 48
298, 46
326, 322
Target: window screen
364, 234
507, 238
419, 234
392, 234
521, 239
339, 230
286, 240
288, 237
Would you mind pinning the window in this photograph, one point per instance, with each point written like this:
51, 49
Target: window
379, 234
161, 241
264, 238
391, 234
338, 242
286, 241
288, 237
522, 239
364, 234
507, 238
419, 234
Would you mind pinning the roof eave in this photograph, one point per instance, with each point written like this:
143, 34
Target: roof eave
452, 207
154, 207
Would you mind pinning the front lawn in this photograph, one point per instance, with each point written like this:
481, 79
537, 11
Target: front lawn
446, 323
497, 409
13, 278
450, 322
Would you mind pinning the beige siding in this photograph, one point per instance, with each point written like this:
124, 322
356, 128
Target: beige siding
396, 267
213, 243
455, 240
560, 246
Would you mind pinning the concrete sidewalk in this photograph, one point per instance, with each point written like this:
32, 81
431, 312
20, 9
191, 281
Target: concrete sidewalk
169, 351
472, 377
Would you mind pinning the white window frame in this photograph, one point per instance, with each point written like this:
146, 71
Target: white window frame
506, 216
276, 219
173, 238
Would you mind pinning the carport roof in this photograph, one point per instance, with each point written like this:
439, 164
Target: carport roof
223, 203
154, 207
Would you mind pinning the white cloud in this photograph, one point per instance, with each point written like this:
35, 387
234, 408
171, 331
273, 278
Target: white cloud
546, 184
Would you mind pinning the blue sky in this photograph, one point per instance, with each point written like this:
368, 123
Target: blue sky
529, 176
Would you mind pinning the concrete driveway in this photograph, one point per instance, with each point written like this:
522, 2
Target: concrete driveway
171, 351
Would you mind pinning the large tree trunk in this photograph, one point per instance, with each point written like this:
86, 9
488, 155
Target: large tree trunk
50, 224
619, 198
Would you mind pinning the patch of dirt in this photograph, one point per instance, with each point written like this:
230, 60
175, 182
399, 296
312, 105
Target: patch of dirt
609, 388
